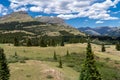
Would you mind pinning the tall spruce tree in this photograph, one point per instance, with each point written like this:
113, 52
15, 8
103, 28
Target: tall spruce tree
103, 48
4, 71
89, 70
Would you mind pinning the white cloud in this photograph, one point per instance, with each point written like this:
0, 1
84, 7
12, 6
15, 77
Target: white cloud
21, 9
99, 22
68, 16
36, 9
68, 9
3, 10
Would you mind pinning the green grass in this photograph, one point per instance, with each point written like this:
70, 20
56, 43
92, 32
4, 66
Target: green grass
41, 59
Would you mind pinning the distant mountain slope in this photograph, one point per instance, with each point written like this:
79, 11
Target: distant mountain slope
51, 26
102, 31
54, 20
20, 16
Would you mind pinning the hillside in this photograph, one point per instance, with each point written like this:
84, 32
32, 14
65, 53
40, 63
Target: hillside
102, 31
23, 23
39, 63
20, 16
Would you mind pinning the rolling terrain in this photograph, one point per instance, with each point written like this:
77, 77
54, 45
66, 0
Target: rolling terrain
21, 22
37, 63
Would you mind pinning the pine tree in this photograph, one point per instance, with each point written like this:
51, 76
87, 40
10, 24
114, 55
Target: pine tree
16, 55
103, 48
42, 43
4, 71
62, 43
55, 56
60, 63
29, 43
53, 42
16, 42
118, 46
89, 70
67, 53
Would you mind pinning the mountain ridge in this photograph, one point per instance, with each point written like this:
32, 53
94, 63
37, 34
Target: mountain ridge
101, 31
51, 26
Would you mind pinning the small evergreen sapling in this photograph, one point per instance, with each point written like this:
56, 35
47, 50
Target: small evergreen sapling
60, 63
67, 53
55, 56
103, 48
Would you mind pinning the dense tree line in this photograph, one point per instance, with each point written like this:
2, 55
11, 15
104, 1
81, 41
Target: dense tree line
17, 25
45, 41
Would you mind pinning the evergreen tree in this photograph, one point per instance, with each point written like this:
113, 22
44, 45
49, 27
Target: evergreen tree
89, 70
118, 46
55, 56
16, 42
4, 71
53, 42
60, 63
29, 43
42, 43
16, 55
103, 48
62, 43
67, 53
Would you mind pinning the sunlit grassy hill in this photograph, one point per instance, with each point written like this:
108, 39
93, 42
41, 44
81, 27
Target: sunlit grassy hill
36, 63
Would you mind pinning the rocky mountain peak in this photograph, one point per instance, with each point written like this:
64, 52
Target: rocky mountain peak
54, 20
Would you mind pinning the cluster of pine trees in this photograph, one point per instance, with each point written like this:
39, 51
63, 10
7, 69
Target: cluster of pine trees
42, 42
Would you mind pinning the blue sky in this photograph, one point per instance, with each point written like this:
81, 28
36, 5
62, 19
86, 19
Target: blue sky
78, 13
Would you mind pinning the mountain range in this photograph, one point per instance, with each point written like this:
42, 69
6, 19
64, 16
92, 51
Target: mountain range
101, 31
22, 22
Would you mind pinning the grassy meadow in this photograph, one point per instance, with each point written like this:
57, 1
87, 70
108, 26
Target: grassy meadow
36, 63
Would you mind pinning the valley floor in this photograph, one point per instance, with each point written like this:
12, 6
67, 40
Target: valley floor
36, 68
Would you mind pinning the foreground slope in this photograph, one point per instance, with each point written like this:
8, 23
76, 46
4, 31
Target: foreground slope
39, 63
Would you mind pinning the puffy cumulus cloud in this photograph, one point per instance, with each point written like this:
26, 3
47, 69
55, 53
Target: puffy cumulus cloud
99, 22
36, 9
68, 9
68, 16
3, 10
